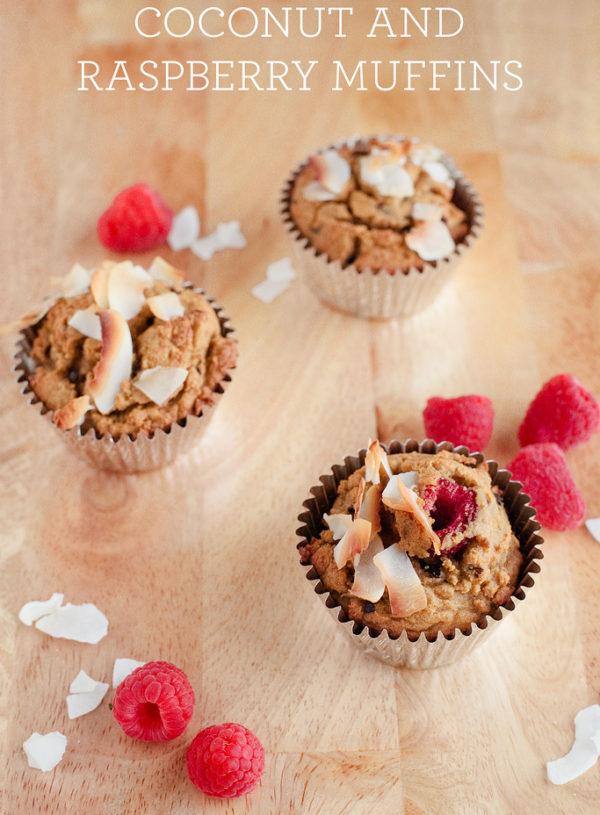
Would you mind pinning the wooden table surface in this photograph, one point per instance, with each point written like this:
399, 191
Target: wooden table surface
196, 563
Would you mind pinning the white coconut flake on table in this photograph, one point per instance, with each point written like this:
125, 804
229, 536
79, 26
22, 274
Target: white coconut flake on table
45, 751
281, 271
87, 322
268, 290
35, 609
584, 752
160, 383
593, 527
227, 235
122, 668
85, 695
185, 229
82, 623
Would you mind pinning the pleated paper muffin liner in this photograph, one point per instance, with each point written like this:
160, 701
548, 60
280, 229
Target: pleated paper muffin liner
424, 652
127, 454
379, 293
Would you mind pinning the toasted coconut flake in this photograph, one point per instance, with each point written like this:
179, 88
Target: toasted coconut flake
116, 360
45, 751
339, 524
353, 543
73, 413
166, 306
332, 171
126, 285
359, 496
431, 240
281, 271
161, 270
439, 172
424, 211
185, 229
160, 383
85, 695
421, 153
315, 191
268, 290
77, 281
35, 609
87, 322
384, 171
122, 668
593, 527
83, 623
403, 486
376, 458
99, 286
368, 582
369, 508
405, 591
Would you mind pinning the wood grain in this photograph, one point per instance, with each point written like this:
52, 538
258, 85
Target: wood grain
197, 563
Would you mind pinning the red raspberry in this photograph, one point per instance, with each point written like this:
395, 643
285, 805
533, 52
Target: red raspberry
137, 220
546, 478
563, 412
155, 702
464, 420
225, 760
452, 507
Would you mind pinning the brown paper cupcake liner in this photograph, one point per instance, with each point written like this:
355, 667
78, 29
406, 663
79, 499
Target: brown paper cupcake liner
127, 454
373, 292
424, 652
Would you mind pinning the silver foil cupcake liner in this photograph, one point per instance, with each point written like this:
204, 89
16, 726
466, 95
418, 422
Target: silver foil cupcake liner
424, 652
126, 454
378, 293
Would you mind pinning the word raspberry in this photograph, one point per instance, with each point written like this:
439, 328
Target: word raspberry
225, 760
154, 703
137, 220
546, 478
563, 412
467, 420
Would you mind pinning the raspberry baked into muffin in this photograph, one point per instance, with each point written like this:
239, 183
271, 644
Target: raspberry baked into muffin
385, 209
126, 352
417, 544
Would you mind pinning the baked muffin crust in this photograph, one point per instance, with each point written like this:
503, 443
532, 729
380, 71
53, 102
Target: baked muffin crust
477, 566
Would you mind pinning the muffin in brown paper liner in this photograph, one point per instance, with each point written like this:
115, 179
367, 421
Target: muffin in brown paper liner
423, 651
380, 293
127, 454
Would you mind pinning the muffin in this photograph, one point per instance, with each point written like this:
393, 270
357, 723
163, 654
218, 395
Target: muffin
378, 224
420, 552
124, 359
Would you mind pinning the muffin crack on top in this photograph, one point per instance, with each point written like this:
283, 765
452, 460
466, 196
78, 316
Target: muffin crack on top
416, 542
127, 351
379, 204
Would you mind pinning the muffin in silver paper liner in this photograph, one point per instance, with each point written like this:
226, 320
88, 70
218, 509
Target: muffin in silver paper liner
127, 454
379, 293
423, 652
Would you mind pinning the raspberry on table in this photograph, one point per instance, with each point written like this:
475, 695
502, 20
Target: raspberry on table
137, 220
225, 760
451, 507
546, 478
563, 412
154, 703
467, 420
